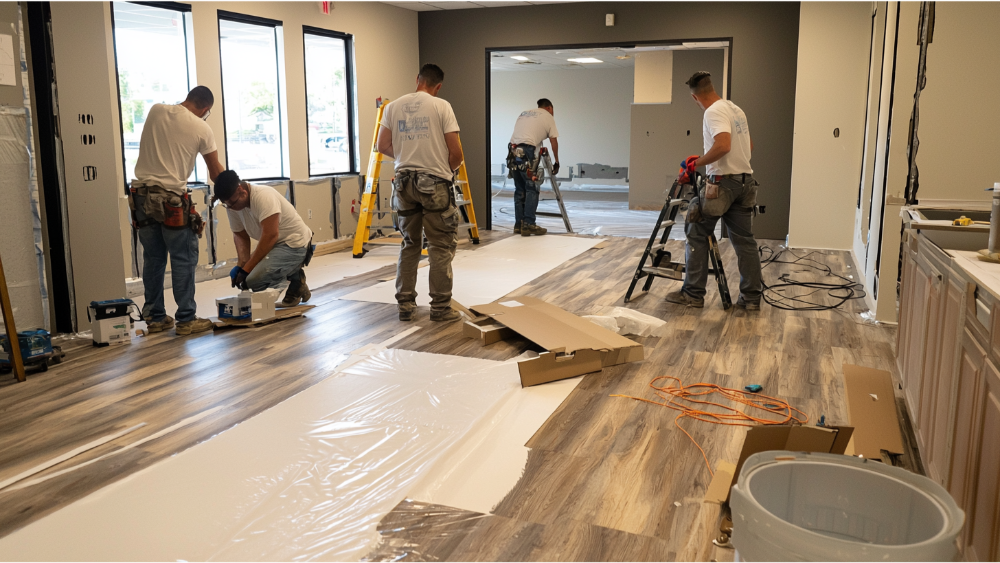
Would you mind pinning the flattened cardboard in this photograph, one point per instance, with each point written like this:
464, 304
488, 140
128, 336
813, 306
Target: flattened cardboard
822, 439
871, 404
574, 344
486, 330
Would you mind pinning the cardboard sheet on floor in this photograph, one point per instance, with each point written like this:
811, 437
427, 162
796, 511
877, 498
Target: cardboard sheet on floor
871, 403
783, 437
490, 272
307, 479
574, 346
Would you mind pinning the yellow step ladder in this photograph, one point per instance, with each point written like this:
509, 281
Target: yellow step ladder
369, 199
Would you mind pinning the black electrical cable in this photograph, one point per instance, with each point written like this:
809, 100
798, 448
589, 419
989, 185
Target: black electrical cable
776, 295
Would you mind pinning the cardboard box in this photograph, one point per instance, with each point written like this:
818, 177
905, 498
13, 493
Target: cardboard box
871, 404
574, 346
237, 307
795, 438
114, 330
262, 304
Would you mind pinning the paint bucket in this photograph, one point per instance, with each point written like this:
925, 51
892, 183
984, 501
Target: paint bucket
823, 507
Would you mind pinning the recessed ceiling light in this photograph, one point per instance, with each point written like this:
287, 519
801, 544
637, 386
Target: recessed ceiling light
519, 57
585, 60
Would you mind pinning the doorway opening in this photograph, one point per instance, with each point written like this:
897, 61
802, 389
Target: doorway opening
625, 120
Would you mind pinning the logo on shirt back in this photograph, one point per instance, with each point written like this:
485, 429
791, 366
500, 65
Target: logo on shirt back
530, 113
416, 127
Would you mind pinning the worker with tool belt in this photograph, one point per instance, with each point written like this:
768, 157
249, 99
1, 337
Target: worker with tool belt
730, 194
420, 132
530, 130
162, 211
284, 242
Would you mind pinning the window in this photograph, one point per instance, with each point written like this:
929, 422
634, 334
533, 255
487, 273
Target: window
155, 60
252, 84
329, 101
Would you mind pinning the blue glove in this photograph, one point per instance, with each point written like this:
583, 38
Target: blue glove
239, 277
688, 163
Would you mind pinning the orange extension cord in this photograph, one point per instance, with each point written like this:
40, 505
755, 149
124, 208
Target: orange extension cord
695, 392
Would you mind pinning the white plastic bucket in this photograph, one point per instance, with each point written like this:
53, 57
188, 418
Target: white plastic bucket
790, 506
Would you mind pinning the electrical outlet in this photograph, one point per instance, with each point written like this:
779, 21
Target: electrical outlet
310, 213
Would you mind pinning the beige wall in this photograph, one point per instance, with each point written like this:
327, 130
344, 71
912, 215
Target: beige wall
386, 62
959, 125
831, 90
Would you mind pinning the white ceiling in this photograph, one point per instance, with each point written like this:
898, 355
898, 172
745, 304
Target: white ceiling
558, 59
449, 5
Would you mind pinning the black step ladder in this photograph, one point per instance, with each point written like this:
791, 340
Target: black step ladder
546, 165
678, 195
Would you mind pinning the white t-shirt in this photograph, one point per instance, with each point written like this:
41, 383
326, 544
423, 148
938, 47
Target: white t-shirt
418, 122
264, 202
171, 140
533, 127
726, 117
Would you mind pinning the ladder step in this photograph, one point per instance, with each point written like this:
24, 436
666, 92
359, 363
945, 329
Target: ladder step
667, 224
665, 272
548, 214
657, 247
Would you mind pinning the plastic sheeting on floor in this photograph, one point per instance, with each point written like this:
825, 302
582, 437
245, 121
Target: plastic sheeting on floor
489, 273
308, 479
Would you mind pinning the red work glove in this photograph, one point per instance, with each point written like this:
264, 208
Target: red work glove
689, 163
682, 176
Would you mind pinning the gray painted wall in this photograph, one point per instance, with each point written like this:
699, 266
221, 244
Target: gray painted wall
764, 51
660, 138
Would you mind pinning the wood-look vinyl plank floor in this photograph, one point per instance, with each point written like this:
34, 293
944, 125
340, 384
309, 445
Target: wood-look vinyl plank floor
607, 478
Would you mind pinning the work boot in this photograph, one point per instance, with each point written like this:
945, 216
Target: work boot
528, 230
166, 323
297, 292
517, 228
748, 305
406, 312
682, 298
191, 327
445, 316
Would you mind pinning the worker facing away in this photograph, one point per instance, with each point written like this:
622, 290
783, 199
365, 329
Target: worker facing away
530, 130
284, 242
420, 132
162, 212
730, 193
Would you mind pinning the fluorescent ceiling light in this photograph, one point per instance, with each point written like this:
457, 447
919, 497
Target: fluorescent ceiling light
519, 57
585, 60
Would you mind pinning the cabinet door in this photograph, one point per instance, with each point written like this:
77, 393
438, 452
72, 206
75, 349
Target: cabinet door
916, 335
905, 302
972, 358
985, 475
941, 413
920, 394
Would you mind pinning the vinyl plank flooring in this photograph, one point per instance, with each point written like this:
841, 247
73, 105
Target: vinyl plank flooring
607, 478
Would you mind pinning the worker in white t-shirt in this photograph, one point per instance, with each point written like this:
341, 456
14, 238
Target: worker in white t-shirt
420, 132
284, 242
530, 130
730, 194
162, 213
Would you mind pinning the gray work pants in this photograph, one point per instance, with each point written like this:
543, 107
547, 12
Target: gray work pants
737, 197
425, 207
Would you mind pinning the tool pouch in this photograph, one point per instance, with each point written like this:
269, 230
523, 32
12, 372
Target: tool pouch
711, 191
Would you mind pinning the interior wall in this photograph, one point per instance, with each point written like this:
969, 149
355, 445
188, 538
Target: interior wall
17, 236
764, 44
831, 90
591, 112
654, 72
963, 56
664, 134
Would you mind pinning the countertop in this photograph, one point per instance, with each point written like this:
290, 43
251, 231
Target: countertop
986, 274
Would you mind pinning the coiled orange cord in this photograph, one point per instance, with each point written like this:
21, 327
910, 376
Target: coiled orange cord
730, 416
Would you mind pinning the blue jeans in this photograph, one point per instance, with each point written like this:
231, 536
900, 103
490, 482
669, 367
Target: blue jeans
525, 192
182, 245
280, 264
735, 207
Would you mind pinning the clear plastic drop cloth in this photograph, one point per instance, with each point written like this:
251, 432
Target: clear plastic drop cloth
308, 479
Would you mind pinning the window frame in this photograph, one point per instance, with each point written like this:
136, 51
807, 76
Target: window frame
352, 136
224, 15
188, 57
